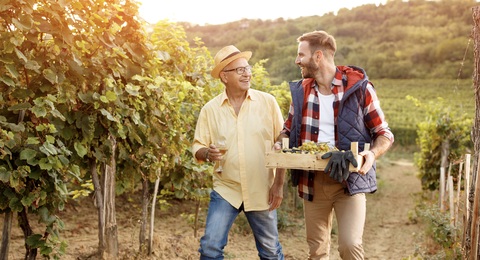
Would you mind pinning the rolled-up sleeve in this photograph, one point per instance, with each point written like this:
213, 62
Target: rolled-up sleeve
202, 135
375, 118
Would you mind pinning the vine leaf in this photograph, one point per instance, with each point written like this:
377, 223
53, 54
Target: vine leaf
4, 174
27, 154
80, 149
20, 55
35, 240
108, 115
20, 106
7, 80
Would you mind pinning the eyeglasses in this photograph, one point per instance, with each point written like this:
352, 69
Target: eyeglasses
241, 70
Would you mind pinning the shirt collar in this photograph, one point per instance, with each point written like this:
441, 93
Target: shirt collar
224, 96
338, 79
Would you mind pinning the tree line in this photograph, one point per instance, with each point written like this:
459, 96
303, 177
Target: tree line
397, 40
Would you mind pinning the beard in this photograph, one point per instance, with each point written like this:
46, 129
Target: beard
308, 70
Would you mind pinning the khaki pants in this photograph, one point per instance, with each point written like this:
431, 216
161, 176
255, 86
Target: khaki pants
350, 211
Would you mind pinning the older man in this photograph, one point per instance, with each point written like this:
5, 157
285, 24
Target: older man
244, 118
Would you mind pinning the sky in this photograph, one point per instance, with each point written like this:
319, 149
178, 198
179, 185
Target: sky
204, 12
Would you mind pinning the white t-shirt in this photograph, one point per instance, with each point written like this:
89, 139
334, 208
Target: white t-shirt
326, 130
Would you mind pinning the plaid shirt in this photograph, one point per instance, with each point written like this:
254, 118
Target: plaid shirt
374, 119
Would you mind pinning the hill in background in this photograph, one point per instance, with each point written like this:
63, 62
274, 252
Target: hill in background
398, 40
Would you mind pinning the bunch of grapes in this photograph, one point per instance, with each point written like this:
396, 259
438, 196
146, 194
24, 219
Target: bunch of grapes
311, 148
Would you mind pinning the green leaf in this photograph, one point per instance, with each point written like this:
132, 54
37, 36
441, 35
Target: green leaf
20, 55
67, 133
45, 164
15, 127
111, 96
39, 111
33, 140
7, 80
108, 115
33, 65
35, 240
64, 160
80, 149
179, 194
75, 171
48, 149
50, 75
57, 114
60, 224
181, 96
151, 86
61, 205
35, 174
132, 89
12, 70
10, 143
40, 128
4, 174
85, 97
63, 247
137, 118
177, 185
46, 250
22, 94
27, 154
50, 139
140, 78
15, 205
45, 215
62, 189
28, 200
10, 194
121, 131
20, 106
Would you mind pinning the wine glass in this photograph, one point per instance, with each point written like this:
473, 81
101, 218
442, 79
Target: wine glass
222, 146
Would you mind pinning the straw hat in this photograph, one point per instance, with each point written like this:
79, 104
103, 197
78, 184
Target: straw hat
225, 56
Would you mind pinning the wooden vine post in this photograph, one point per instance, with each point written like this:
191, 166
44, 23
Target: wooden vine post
111, 233
472, 232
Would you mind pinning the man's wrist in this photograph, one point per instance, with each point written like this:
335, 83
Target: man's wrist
206, 155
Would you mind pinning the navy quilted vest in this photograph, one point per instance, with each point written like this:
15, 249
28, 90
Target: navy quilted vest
350, 127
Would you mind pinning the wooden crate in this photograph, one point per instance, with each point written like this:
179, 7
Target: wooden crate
314, 162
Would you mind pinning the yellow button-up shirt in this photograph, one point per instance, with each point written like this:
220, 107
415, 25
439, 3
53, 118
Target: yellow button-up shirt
245, 177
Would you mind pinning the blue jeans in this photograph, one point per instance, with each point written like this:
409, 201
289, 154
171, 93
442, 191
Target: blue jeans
220, 218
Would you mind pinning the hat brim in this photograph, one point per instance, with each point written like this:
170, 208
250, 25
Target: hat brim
216, 71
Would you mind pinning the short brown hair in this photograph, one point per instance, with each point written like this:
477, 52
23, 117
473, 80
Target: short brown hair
319, 40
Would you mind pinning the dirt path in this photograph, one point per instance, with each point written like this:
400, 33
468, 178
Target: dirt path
389, 233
